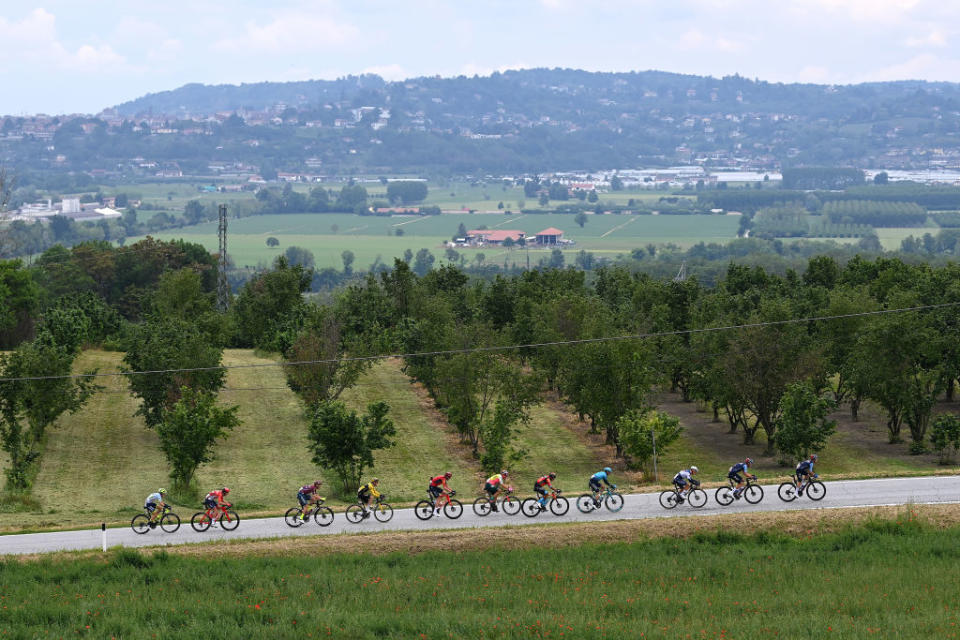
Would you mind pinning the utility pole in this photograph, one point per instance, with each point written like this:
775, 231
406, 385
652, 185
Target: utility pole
223, 288
682, 274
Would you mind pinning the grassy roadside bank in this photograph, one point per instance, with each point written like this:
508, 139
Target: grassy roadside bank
889, 575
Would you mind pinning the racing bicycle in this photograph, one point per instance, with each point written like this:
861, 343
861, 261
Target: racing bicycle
322, 515
558, 504
751, 492
696, 497
168, 521
506, 502
227, 517
451, 508
380, 509
613, 500
814, 489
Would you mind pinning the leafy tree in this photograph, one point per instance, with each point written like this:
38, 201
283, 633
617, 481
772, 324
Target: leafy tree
802, 426
453, 256
616, 184
345, 442
188, 431
407, 191
580, 219
267, 301
161, 345
881, 178
19, 299
350, 197
945, 437
29, 407
423, 262
300, 257
348, 258
273, 242
639, 429
592, 196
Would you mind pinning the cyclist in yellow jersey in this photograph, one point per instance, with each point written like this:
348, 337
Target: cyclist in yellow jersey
366, 493
493, 484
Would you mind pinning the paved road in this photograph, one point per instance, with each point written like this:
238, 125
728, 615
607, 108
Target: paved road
854, 493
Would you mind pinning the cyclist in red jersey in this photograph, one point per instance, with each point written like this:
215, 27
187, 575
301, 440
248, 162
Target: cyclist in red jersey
540, 488
215, 500
438, 485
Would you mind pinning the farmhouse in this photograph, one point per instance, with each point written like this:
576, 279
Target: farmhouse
494, 236
550, 236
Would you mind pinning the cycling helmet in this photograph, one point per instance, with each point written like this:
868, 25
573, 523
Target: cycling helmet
694, 470
551, 475
607, 470
504, 472
375, 481
813, 457
161, 491
748, 461
317, 483
448, 475
226, 490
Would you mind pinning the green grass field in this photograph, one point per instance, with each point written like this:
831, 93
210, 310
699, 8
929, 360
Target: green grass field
328, 235
884, 579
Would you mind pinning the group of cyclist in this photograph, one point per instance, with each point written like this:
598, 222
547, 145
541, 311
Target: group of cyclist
685, 482
308, 495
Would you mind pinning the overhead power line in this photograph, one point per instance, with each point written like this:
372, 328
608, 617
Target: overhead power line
496, 348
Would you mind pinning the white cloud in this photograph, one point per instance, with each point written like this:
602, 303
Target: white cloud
695, 39
861, 10
33, 42
926, 66
291, 32
935, 38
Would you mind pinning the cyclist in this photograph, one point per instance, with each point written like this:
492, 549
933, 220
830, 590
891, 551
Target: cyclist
540, 488
365, 493
494, 484
734, 474
804, 471
307, 495
595, 480
215, 500
683, 478
438, 485
153, 501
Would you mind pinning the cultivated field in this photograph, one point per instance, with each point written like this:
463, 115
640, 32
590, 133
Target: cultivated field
328, 235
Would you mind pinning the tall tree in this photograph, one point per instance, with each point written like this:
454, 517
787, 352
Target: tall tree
345, 442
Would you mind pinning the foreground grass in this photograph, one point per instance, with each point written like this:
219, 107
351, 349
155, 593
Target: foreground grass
884, 578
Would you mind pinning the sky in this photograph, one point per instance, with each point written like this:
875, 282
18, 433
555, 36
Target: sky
68, 56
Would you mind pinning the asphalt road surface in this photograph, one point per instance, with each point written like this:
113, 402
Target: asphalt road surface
853, 493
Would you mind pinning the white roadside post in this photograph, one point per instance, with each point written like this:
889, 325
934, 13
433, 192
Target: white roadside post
103, 535
653, 436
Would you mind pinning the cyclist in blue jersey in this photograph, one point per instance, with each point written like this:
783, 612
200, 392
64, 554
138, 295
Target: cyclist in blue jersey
734, 474
596, 479
805, 471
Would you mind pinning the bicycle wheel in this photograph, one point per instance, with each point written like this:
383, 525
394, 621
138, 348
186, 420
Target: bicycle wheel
585, 503
423, 510
200, 522
559, 506
229, 520
292, 517
530, 507
481, 506
697, 498
669, 499
510, 505
723, 496
753, 493
384, 512
354, 513
453, 509
170, 522
323, 516
787, 492
614, 502
140, 523
816, 490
